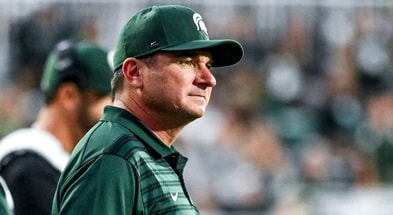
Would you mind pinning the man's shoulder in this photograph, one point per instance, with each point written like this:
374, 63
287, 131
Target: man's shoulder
125, 144
26, 162
19, 134
25, 136
35, 141
107, 138
99, 144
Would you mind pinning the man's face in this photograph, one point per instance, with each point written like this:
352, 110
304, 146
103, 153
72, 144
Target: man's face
178, 84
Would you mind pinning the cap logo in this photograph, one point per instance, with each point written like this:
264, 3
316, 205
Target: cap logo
199, 23
63, 64
154, 44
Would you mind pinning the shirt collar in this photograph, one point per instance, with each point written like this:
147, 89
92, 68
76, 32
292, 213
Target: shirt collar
131, 122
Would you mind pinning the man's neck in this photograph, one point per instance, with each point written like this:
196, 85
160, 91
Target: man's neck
60, 126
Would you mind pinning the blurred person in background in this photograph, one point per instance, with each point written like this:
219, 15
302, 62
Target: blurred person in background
76, 86
27, 38
162, 83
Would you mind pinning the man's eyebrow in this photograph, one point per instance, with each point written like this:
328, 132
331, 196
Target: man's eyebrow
184, 54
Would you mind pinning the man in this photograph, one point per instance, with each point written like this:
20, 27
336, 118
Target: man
126, 163
76, 85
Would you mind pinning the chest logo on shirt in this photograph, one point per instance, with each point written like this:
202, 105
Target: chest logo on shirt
174, 196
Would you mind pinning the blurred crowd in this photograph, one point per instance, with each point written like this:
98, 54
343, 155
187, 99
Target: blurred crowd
309, 110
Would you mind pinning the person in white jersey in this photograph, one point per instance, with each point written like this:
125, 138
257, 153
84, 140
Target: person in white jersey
76, 87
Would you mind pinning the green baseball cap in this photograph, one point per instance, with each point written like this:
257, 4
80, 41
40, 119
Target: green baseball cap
84, 63
172, 28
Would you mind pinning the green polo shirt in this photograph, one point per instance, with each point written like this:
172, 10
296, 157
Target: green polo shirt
121, 167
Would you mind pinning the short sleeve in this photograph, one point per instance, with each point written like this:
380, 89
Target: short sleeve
107, 186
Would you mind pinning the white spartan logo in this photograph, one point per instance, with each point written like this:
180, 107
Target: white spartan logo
199, 23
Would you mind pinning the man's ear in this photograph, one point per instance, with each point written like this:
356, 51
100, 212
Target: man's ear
132, 72
68, 95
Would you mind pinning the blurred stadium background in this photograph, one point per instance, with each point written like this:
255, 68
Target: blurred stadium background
302, 126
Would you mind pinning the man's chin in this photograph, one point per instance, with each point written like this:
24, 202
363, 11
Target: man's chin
195, 116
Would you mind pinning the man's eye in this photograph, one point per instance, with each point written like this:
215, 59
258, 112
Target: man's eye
188, 62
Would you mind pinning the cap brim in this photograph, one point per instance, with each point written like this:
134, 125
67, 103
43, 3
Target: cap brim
224, 52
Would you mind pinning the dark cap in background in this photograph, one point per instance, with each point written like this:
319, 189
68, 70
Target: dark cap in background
84, 63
